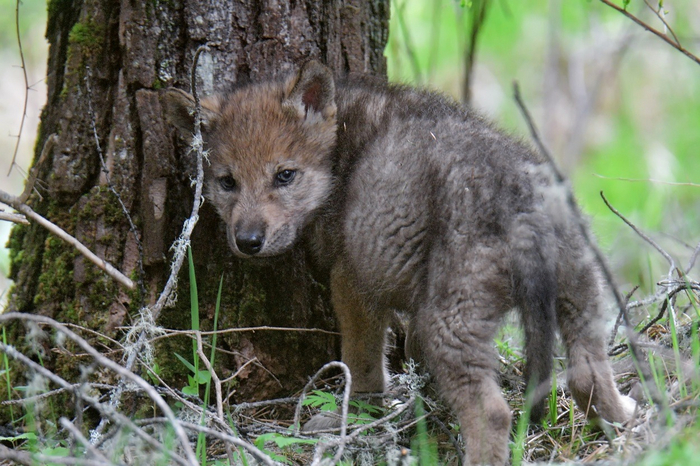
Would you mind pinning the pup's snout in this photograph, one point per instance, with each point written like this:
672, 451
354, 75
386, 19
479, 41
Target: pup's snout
250, 241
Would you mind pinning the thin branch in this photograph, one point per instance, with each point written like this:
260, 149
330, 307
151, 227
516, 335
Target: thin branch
108, 268
693, 258
534, 133
192, 333
14, 218
71, 388
477, 19
84, 442
34, 172
662, 18
654, 31
666, 255
348, 383
214, 377
241, 369
26, 88
647, 180
180, 245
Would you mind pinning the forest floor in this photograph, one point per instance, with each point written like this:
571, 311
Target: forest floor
410, 426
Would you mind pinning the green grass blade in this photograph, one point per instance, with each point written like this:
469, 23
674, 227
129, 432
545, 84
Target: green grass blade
676, 352
553, 401
8, 383
518, 447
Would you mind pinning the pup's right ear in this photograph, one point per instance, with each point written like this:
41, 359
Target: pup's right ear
179, 110
311, 93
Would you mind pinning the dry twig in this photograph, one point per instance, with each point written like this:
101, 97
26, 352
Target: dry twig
673, 43
14, 218
26, 88
103, 362
641, 234
27, 211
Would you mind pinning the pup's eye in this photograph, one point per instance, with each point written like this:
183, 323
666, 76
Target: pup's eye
285, 176
227, 183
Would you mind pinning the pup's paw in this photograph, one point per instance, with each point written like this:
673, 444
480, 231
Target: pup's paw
629, 406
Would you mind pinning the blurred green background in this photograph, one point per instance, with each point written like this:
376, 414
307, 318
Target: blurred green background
611, 101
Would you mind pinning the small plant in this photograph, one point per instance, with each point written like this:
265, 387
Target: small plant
362, 412
322, 400
199, 377
518, 445
553, 401
6, 372
282, 442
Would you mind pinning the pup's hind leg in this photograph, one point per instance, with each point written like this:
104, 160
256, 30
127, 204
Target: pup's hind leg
589, 374
456, 336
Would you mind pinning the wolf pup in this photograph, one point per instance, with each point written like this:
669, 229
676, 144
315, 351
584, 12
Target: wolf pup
413, 203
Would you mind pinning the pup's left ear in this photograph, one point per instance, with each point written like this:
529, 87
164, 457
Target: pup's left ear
311, 93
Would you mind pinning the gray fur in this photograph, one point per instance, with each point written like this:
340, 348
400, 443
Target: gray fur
412, 202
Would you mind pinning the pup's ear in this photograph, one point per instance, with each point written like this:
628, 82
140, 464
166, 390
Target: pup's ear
179, 108
311, 93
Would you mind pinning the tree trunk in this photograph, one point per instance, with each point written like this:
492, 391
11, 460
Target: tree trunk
107, 60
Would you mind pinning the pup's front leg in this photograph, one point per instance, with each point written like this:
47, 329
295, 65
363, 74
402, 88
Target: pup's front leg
363, 335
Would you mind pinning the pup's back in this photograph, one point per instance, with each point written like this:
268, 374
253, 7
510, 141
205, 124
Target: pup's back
435, 197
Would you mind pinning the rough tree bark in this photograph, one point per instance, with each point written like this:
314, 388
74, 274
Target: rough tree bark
108, 58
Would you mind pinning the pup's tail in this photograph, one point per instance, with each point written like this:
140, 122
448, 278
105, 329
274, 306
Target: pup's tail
534, 282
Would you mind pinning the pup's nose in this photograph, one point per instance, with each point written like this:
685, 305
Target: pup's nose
250, 242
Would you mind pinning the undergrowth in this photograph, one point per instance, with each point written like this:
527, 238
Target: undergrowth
410, 425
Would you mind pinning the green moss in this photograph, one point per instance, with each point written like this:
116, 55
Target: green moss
14, 244
89, 36
56, 278
136, 298
54, 7
101, 203
101, 291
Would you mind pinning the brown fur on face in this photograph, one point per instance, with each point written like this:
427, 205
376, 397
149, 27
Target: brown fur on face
256, 133
415, 204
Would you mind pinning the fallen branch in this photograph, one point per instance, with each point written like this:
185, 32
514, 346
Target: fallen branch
343, 410
103, 362
14, 218
27, 211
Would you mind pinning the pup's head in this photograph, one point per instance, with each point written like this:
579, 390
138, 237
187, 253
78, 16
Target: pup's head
269, 151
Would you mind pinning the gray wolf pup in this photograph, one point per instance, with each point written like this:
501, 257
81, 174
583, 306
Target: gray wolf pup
413, 203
